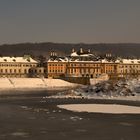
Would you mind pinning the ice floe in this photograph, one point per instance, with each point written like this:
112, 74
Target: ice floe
102, 108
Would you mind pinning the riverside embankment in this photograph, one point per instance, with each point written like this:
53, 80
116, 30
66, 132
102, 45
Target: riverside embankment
33, 83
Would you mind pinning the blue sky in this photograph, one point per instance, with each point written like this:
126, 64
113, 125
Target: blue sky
70, 21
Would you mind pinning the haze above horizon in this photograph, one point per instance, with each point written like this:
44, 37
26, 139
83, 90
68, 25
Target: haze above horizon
70, 21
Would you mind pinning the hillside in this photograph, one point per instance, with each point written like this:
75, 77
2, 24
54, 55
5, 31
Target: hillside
35, 49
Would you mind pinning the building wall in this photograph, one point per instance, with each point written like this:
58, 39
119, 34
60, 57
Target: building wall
13, 69
83, 69
56, 69
92, 69
111, 69
129, 70
38, 72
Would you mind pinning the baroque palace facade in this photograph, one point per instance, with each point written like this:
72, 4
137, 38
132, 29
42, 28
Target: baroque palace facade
80, 63
85, 64
18, 66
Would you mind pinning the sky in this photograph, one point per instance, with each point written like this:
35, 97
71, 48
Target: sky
70, 21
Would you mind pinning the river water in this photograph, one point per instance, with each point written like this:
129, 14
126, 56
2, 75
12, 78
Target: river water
32, 117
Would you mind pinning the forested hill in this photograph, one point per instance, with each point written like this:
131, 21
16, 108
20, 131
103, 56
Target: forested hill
127, 50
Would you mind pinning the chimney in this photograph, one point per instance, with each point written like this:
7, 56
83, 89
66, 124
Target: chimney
73, 50
55, 54
81, 50
88, 50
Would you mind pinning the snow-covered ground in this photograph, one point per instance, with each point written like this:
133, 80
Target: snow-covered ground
99, 79
102, 108
30, 83
118, 90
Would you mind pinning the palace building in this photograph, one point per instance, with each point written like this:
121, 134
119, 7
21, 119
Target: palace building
85, 64
56, 66
16, 66
129, 68
80, 63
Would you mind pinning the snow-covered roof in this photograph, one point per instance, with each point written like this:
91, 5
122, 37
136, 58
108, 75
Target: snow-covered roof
86, 55
107, 61
17, 60
58, 60
120, 61
81, 61
74, 54
130, 61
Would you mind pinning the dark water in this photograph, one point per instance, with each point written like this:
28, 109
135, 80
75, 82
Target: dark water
34, 118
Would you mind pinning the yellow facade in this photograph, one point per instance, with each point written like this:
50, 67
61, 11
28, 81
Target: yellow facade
56, 69
111, 69
129, 70
83, 69
14, 67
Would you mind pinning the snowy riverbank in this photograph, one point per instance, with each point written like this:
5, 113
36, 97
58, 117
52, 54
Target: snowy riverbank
119, 90
33, 83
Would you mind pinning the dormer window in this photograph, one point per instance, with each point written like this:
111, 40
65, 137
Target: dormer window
28, 60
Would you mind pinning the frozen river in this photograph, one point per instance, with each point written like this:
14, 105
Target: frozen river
35, 118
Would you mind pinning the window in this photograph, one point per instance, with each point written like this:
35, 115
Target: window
126, 71
84, 70
25, 71
10, 70
80, 70
71, 70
